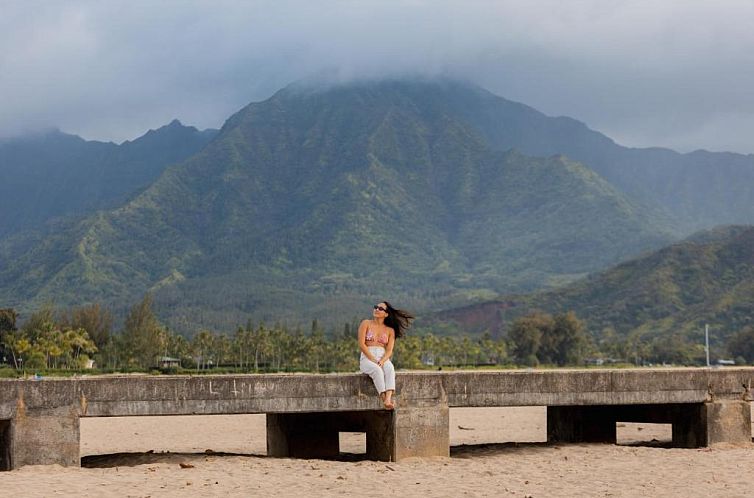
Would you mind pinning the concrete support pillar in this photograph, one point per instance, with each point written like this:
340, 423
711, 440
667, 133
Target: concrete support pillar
378, 426
43, 437
421, 430
728, 421
701, 424
576, 424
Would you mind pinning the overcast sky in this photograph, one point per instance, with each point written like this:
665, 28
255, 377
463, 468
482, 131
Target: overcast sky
669, 73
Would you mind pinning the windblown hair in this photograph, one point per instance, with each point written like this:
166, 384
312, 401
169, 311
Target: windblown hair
398, 320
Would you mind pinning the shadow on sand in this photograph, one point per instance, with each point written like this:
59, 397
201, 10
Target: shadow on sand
460, 451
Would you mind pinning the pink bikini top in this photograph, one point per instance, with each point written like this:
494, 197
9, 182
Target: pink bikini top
371, 338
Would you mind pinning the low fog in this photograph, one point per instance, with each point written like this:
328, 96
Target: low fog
675, 74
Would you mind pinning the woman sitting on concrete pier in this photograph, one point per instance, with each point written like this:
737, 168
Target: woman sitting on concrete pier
376, 340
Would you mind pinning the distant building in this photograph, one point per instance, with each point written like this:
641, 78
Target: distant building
168, 362
428, 359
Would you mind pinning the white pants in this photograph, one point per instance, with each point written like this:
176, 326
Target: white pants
383, 378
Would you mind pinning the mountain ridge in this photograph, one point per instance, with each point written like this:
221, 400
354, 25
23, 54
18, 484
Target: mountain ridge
54, 174
316, 201
698, 189
706, 278
340, 196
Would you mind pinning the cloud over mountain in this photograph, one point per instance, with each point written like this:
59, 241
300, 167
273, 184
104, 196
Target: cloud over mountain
673, 73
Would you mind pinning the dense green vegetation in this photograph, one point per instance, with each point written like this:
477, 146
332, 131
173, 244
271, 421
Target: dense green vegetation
62, 342
699, 190
315, 203
319, 201
655, 306
54, 342
741, 345
539, 337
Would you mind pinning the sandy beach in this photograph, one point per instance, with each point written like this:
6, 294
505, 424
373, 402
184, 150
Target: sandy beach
495, 452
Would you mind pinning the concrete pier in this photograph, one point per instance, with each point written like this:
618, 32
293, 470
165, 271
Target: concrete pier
39, 419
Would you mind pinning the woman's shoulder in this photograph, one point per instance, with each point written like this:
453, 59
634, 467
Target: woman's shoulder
364, 322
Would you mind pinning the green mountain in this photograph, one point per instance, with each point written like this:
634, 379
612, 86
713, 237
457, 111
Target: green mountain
53, 174
318, 201
707, 278
700, 189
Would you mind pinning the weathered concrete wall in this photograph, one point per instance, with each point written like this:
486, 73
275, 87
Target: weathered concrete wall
186, 395
707, 405
729, 421
596, 387
41, 437
225, 394
421, 429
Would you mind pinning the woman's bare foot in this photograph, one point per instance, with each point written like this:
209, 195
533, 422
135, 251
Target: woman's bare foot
388, 402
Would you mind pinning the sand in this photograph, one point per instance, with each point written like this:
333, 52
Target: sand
495, 452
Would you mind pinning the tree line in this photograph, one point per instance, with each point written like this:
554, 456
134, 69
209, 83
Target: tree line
69, 339
73, 338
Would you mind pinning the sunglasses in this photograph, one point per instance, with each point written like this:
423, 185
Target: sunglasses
377, 307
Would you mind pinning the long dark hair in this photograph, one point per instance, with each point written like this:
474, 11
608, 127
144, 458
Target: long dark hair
398, 320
